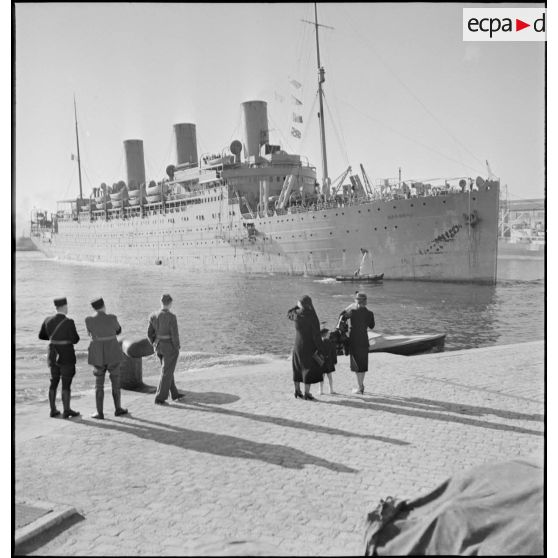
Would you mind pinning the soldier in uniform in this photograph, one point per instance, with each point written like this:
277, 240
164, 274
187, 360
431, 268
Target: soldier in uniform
61, 332
163, 334
105, 355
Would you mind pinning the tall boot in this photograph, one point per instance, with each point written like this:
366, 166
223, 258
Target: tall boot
54, 412
118, 410
99, 396
68, 412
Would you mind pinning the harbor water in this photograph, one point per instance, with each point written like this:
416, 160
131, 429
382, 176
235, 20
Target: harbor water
237, 319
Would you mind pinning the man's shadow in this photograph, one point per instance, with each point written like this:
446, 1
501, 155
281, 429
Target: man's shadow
216, 444
202, 402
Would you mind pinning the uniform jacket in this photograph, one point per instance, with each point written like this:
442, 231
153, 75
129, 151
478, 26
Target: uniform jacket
163, 324
361, 319
103, 352
60, 354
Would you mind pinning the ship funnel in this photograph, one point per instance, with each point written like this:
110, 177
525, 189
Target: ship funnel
135, 164
256, 131
186, 144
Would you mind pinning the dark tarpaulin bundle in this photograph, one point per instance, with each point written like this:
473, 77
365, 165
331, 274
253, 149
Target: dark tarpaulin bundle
494, 509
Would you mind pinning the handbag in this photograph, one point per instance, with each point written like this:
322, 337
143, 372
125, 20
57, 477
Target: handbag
318, 358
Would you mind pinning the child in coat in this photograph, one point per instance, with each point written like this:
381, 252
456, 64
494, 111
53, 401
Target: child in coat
330, 360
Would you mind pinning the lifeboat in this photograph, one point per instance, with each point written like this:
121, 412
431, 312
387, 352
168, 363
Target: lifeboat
134, 201
154, 189
154, 198
216, 162
100, 203
119, 196
116, 204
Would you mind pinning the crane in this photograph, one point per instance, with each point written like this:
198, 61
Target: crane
367, 183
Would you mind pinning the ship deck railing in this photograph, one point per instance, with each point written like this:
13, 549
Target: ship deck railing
176, 204
348, 201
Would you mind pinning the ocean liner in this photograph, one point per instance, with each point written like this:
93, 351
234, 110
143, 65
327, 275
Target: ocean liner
256, 208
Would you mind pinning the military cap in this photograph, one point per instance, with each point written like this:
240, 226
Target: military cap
60, 302
97, 303
166, 299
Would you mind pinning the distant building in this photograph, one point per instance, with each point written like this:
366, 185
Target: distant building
525, 218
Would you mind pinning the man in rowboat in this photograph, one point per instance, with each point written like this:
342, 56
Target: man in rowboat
163, 334
61, 332
105, 355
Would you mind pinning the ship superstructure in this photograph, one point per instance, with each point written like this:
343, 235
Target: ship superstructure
256, 208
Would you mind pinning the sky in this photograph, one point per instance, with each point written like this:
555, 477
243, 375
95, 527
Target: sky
402, 90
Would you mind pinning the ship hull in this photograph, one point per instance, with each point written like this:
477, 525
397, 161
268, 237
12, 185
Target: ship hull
438, 238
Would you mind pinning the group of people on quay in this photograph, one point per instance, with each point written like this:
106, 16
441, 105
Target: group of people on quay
314, 355
315, 350
105, 353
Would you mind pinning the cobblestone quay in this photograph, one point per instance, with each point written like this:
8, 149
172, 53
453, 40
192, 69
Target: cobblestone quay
240, 459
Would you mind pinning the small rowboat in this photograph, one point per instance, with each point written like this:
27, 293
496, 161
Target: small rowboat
361, 278
154, 199
134, 193
134, 201
405, 344
117, 203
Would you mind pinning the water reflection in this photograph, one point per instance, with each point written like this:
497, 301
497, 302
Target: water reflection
238, 314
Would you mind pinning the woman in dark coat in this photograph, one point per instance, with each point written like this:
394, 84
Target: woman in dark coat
361, 320
308, 341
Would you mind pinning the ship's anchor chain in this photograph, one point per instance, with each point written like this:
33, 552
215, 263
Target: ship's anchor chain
471, 219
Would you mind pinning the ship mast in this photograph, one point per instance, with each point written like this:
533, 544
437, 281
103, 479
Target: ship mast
78, 157
321, 79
